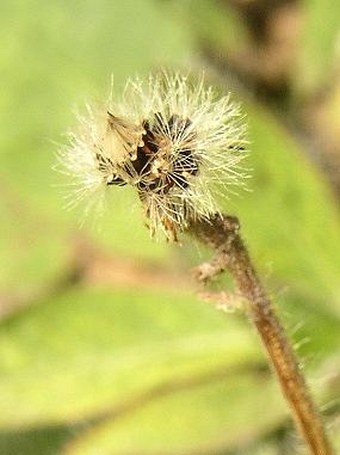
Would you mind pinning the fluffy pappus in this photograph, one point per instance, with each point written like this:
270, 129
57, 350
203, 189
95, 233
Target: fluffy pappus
174, 141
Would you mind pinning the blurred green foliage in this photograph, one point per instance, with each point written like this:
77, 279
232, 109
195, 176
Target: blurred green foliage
88, 367
319, 45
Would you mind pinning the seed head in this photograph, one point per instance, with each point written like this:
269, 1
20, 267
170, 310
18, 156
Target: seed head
175, 142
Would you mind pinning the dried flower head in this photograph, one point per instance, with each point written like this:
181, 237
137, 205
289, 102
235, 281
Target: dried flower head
174, 141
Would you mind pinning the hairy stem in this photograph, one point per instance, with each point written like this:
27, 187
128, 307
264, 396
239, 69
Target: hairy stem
222, 234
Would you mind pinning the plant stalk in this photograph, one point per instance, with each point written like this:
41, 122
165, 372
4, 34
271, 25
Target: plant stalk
222, 234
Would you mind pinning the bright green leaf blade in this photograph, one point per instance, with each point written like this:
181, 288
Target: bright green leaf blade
209, 419
92, 351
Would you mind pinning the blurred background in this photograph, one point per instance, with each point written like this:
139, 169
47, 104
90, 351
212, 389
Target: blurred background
105, 347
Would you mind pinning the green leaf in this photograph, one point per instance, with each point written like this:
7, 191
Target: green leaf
47, 441
318, 42
34, 250
92, 351
289, 217
215, 24
214, 418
